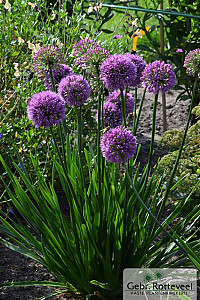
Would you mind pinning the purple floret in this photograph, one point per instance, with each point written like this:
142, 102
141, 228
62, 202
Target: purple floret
74, 90
140, 66
115, 97
46, 109
58, 74
118, 72
158, 76
48, 57
118, 145
192, 63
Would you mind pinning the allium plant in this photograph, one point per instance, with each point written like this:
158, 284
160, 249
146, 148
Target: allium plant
46, 59
74, 90
46, 109
192, 63
118, 145
112, 108
114, 219
140, 65
118, 72
60, 72
158, 76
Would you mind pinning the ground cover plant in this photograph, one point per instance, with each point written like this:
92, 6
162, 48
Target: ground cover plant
80, 100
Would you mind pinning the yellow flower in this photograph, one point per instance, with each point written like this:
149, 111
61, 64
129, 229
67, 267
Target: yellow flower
59, 44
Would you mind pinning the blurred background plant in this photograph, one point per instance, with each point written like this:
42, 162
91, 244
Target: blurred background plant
189, 164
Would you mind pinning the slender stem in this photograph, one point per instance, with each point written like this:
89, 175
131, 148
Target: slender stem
135, 124
78, 114
123, 101
152, 137
135, 108
152, 216
52, 80
98, 147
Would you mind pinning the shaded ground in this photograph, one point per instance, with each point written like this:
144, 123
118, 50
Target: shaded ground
15, 267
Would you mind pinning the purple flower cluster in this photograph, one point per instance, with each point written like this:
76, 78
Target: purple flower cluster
58, 74
158, 76
179, 50
48, 57
192, 62
118, 145
88, 53
74, 89
140, 66
118, 72
112, 109
46, 109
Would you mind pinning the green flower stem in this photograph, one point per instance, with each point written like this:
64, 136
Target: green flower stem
78, 114
180, 151
136, 119
123, 101
152, 137
135, 107
152, 216
98, 148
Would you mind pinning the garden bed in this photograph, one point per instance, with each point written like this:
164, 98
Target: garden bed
15, 267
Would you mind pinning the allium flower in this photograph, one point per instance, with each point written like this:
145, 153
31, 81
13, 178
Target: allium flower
87, 53
140, 65
118, 145
192, 63
74, 90
158, 76
82, 47
117, 72
48, 57
46, 109
58, 74
112, 109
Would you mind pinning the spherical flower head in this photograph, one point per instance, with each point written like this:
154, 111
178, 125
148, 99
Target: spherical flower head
140, 66
117, 72
82, 47
115, 97
158, 76
46, 109
74, 89
118, 145
192, 63
58, 74
46, 59
112, 114
92, 58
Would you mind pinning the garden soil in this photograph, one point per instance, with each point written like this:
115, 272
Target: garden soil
15, 267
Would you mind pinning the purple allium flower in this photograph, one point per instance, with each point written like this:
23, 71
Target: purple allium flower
87, 53
82, 47
179, 50
117, 72
118, 36
192, 63
46, 109
74, 90
118, 145
48, 57
158, 76
140, 65
58, 74
115, 97
112, 109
